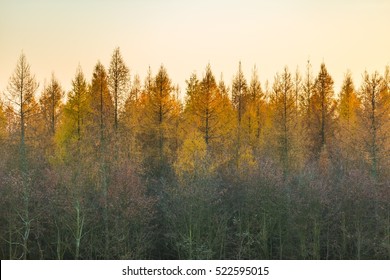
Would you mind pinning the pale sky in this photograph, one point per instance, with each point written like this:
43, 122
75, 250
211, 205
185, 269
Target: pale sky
187, 35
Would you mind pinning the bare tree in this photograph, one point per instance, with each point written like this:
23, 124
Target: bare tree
21, 88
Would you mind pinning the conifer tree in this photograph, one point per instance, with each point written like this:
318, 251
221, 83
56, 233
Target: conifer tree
255, 116
348, 111
374, 119
118, 82
50, 102
322, 107
3, 122
100, 131
130, 118
239, 93
305, 109
77, 107
205, 105
284, 121
101, 102
160, 112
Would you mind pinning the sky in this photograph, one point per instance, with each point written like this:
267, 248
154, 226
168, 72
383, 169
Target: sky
57, 36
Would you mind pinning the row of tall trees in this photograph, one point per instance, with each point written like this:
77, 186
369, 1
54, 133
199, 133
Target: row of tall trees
120, 168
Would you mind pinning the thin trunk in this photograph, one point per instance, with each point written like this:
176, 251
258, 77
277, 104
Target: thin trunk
52, 111
285, 136
101, 108
103, 176
58, 248
258, 121
116, 105
23, 168
373, 134
78, 116
160, 123
207, 127
79, 230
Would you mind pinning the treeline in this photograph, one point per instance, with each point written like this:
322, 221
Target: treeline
120, 170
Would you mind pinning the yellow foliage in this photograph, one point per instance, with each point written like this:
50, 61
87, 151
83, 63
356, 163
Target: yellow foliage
192, 157
3, 122
246, 163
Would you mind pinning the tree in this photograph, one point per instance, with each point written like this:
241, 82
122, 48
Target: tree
77, 106
307, 92
75, 169
297, 90
50, 103
223, 89
255, 116
374, 118
239, 94
160, 112
148, 83
205, 106
161, 104
21, 88
349, 101
3, 122
130, 119
239, 100
305, 108
193, 87
348, 111
118, 82
136, 89
284, 117
322, 107
192, 90
99, 132
102, 106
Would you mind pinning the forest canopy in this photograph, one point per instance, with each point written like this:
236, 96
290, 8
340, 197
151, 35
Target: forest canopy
123, 168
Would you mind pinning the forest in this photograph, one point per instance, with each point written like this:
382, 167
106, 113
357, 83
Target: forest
124, 168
